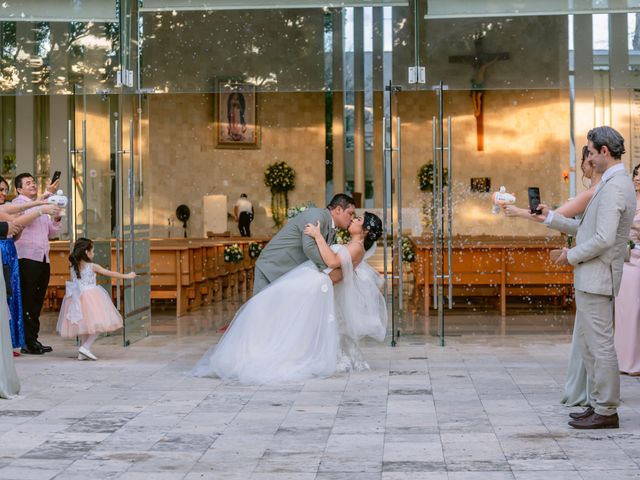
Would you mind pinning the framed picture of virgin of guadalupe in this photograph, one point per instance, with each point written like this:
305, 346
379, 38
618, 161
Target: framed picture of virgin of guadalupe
236, 115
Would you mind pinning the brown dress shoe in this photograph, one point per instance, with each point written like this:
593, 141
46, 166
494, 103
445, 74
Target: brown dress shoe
596, 421
583, 414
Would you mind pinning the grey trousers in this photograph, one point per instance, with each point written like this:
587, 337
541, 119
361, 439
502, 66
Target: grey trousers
260, 282
594, 331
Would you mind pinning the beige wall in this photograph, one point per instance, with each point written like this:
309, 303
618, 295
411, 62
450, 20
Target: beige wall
526, 137
526, 144
186, 165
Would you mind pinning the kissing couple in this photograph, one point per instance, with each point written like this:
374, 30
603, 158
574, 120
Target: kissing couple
312, 302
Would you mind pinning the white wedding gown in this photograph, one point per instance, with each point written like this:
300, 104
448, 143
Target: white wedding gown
296, 328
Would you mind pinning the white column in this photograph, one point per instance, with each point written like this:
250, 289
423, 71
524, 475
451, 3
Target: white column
584, 94
58, 126
378, 107
338, 104
25, 141
619, 77
358, 120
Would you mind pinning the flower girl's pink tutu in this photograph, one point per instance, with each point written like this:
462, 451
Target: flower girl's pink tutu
87, 308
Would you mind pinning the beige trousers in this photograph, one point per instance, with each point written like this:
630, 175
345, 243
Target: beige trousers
594, 330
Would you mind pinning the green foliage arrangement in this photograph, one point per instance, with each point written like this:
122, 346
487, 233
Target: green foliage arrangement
425, 177
342, 236
280, 178
8, 163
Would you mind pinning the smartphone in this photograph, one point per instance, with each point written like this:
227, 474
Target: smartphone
534, 200
56, 176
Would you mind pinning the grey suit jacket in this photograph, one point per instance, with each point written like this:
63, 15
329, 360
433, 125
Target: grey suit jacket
601, 236
290, 246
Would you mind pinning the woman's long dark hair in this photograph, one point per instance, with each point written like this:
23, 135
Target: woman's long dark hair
2, 180
373, 225
585, 156
79, 254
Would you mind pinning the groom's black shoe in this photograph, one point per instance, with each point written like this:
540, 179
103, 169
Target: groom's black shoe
596, 421
44, 348
32, 350
583, 414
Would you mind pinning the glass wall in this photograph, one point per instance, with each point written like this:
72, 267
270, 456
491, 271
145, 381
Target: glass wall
228, 88
64, 102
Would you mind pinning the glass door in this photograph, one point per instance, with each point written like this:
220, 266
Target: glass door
521, 91
133, 214
107, 160
90, 174
132, 205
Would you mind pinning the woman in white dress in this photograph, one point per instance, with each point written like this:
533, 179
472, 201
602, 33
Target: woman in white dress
361, 310
9, 383
289, 331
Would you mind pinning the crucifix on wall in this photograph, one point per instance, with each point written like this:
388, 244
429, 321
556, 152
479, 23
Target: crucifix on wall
479, 61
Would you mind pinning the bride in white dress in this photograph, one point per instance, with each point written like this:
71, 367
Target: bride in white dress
296, 328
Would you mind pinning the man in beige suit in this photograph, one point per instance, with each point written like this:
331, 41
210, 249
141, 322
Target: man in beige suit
601, 239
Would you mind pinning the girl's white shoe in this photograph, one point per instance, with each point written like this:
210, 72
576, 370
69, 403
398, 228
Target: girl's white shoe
83, 352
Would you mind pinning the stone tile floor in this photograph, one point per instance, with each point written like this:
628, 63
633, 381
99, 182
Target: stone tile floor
485, 407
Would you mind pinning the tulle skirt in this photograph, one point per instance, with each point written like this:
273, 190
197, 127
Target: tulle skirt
286, 333
360, 307
98, 314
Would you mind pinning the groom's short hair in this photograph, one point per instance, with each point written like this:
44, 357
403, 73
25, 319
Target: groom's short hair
341, 200
609, 137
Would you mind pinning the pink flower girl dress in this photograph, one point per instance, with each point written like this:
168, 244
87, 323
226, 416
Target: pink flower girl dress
87, 308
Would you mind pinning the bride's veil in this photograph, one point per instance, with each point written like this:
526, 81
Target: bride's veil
369, 253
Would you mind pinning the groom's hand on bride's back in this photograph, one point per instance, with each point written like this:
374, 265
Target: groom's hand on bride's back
335, 275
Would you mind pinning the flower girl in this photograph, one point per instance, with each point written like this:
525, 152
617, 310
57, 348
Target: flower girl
87, 309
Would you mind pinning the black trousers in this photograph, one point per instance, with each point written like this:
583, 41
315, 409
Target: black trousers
34, 280
244, 224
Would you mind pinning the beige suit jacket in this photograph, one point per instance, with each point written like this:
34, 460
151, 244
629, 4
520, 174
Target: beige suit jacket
601, 235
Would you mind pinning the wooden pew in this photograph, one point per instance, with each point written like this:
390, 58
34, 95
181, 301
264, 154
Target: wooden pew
514, 267
195, 274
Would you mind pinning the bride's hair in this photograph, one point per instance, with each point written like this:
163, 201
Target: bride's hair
373, 225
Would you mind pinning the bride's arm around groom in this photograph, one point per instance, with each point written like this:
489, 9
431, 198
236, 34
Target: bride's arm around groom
290, 247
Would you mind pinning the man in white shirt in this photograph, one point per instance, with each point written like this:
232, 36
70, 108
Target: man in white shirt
243, 213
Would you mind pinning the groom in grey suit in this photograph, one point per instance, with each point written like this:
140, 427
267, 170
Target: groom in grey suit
290, 246
601, 240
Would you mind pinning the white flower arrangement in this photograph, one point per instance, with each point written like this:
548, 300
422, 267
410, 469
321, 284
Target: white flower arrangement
255, 249
233, 253
293, 211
